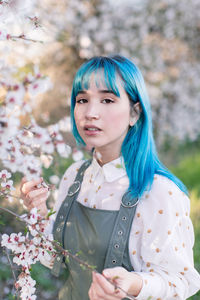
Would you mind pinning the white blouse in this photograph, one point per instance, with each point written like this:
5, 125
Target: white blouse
161, 237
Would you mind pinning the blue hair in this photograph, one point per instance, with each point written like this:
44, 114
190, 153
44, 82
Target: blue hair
138, 148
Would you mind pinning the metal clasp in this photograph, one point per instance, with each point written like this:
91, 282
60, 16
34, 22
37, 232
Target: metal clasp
129, 203
74, 188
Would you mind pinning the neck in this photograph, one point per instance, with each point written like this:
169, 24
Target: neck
104, 158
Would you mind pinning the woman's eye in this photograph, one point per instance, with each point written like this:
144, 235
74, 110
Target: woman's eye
107, 101
81, 101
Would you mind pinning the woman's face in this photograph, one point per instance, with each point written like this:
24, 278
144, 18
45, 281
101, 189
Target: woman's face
102, 118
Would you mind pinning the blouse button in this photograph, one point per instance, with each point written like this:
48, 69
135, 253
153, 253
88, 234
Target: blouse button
120, 232
124, 218
116, 246
58, 229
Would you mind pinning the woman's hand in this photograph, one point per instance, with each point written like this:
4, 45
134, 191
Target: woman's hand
34, 196
101, 288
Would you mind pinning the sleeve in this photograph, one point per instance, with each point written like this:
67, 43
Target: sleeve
165, 244
66, 181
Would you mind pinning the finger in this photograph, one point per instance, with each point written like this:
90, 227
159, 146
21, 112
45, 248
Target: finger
92, 293
24, 179
22, 183
40, 204
109, 288
114, 273
97, 288
96, 294
103, 283
27, 186
35, 193
30, 203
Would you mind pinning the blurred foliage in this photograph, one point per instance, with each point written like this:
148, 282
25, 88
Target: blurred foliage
173, 151
188, 170
58, 167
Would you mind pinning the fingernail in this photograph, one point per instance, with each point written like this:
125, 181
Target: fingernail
105, 273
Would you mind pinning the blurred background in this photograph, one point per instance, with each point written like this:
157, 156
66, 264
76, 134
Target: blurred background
162, 38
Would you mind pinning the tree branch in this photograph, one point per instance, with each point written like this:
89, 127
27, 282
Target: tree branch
12, 270
23, 37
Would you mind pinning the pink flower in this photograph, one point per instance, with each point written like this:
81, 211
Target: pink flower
7, 184
4, 174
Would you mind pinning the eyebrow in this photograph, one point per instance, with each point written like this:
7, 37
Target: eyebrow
99, 91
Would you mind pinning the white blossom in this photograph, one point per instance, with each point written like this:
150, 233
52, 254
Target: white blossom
54, 179
77, 155
4, 174
40, 85
27, 250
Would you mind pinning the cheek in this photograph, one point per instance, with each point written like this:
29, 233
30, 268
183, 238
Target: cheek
77, 117
120, 118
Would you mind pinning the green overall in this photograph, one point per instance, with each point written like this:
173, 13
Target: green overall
99, 236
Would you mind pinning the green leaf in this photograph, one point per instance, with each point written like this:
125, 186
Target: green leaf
93, 267
11, 297
52, 212
83, 267
78, 253
67, 259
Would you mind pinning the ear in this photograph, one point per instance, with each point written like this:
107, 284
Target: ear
135, 113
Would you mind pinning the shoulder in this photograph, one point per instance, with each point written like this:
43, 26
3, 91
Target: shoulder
165, 194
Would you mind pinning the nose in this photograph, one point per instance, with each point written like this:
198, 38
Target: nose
92, 112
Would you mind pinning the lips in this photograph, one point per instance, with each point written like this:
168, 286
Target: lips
91, 128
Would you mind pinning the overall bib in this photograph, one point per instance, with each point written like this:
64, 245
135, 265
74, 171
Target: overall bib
98, 237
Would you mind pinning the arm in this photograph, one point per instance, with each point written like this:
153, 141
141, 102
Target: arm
166, 243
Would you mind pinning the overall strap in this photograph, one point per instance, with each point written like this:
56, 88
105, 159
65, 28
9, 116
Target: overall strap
63, 213
121, 231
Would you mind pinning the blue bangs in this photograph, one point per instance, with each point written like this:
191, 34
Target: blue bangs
103, 71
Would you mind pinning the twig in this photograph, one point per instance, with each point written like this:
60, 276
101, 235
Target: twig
10, 263
12, 270
22, 37
10, 195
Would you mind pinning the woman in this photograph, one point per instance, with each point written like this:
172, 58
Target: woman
124, 211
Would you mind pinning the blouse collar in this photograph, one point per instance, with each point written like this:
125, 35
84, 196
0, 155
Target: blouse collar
112, 170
